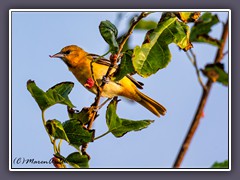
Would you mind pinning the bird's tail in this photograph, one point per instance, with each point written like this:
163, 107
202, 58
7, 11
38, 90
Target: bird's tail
151, 104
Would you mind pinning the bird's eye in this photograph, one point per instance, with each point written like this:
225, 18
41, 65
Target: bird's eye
67, 52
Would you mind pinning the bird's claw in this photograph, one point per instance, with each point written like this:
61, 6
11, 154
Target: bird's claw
105, 80
95, 109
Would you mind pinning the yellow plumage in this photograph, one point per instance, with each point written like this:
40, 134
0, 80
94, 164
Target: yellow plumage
79, 63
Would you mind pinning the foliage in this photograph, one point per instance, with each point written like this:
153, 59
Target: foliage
201, 29
223, 164
118, 126
216, 72
109, 33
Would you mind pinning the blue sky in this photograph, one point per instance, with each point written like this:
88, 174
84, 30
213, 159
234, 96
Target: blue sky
36, 35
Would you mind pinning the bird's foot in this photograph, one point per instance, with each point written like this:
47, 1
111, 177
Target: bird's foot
105, 80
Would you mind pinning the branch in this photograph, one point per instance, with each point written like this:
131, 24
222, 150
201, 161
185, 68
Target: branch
114, 57
114, 60
128, 34
201, 105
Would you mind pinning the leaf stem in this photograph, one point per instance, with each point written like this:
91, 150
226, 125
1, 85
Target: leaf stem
102, 135
51, 139
59, 145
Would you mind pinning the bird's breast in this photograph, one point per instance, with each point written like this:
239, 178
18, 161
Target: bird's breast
84, 72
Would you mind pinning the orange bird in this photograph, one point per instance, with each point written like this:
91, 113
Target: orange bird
79, 63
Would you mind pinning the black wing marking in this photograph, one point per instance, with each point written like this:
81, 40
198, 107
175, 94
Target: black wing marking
137, 83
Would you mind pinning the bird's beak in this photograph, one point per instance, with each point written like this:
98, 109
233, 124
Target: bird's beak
58, 55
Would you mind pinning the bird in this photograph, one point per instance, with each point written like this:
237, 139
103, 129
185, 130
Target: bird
81, 64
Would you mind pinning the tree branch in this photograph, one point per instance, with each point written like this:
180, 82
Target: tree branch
201, 105
128, 34
114, 60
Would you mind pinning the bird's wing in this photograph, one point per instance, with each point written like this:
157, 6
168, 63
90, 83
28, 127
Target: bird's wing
106, 62
100, 60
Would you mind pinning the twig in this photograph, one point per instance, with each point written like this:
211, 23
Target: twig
128, 34
113, 59
101, 105
201, 105
193, 59
224, 54
91, 67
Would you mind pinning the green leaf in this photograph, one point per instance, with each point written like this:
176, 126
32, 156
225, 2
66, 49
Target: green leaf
188, 16
118, 126
59, 93
83, 116
55, 129
39, 95
125, 67
77, 134
216, 72
77, 160
207, 39
154, 53
146, 25
201, 28
223, 164
56, 94
109, 33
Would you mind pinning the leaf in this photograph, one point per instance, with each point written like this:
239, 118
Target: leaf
39, 95
118, 126
77, 134
56, 94
77, 160
207, 39
201, 28
109, 33
223, 164
59, 93
55, 129
216, 72
188, 16
154, 53
83, 116
146, 25
125, 67
86, 114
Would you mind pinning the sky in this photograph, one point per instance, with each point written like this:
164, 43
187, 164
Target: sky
36, 35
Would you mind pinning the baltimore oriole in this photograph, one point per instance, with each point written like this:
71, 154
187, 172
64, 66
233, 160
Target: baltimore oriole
79, 63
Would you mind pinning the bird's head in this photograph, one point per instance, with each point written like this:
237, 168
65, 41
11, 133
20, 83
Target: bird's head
71, 55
